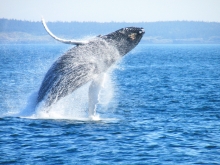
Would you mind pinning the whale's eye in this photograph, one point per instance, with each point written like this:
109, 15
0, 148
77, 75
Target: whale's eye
132, 36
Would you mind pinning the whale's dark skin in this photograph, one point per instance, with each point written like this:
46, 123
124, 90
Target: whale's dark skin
83, 63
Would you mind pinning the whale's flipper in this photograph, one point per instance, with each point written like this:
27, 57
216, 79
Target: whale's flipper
94, 93
73, 42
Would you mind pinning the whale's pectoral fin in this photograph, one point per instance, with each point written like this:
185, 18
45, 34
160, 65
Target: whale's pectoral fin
73, 42
94, 93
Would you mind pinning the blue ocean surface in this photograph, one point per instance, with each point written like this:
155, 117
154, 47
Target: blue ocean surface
161, 105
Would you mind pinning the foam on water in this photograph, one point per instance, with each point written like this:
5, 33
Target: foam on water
73, 106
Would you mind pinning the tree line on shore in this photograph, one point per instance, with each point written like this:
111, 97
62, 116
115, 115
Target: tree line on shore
18, 31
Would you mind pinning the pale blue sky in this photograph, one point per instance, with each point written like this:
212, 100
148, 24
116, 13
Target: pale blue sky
111, 10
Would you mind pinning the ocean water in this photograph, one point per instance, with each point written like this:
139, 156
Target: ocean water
160, 105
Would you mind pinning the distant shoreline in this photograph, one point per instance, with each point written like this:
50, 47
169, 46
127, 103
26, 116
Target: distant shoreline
175, 32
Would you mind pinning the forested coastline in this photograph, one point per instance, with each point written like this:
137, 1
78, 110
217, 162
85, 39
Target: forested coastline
180, 32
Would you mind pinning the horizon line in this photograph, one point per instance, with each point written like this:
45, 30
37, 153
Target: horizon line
107, 21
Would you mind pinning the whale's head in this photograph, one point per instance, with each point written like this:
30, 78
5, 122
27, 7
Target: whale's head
125, 39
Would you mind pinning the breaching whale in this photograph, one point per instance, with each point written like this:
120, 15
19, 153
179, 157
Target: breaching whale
85, 62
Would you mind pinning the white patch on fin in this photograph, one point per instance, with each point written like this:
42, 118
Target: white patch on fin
94, 92
73, 42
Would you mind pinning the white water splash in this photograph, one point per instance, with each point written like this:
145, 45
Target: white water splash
73, 106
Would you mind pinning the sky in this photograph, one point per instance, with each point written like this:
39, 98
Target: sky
111, 10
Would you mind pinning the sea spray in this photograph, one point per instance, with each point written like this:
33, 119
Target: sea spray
73, 106
29, 107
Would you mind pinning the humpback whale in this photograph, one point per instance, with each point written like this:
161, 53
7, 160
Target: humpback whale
85, 62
